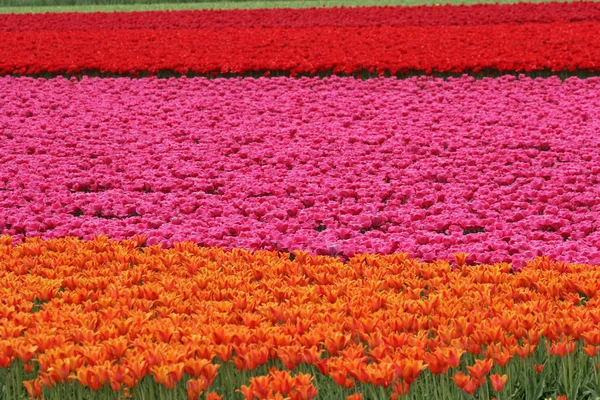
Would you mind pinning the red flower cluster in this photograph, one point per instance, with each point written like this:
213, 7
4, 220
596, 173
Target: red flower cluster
480, 14
526, 47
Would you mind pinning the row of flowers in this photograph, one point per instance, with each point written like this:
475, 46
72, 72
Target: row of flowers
504, 169
122, 319
479, 14
557, 46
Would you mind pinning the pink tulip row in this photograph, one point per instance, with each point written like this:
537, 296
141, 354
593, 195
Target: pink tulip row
504, 169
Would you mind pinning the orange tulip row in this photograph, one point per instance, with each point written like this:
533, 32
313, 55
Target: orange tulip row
104, 313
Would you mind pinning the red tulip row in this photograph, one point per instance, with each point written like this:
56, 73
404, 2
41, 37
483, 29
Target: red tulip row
488, 14
528, 47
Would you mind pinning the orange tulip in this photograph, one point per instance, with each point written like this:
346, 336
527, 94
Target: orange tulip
336, 342
312, 355
460, 258
461, 379
498, 381
453, 356
119, 375
138, 368
223, 352
281, 381
291, 356
538, 368
525, 350
247, 392
471, 387
210, 372
5, 360
400, 389
168, 375
481, 368
25, 352
195, 387
355, 396
323, 366
91, 377
34, 388
357, 369
117, 347
474, 348
592, 337
61, 369
304, 388
341, 378
590, 350
436, 364
261, 386
561, 348
502, 358
409, 370
196, 367
533, 336
382, 374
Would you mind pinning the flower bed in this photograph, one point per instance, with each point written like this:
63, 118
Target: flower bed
283, 238
359, 17
527, 47
503, 169
121, 319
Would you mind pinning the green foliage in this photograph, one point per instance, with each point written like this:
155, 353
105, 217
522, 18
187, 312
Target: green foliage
165, 74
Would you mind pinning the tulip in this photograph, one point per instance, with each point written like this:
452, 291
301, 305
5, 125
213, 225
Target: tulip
408, 370
340, 377
400, 388
34, 388
195, 387
498, 381
461, 379
168, 375
590, 350
355, 396
538, 368
561, 348
247, 392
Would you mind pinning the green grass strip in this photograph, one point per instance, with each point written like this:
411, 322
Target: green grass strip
41, 6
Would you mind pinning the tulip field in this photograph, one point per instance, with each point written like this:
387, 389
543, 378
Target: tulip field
448, 39
382, 202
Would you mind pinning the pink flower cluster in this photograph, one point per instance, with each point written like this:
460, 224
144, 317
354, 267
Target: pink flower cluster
504, 169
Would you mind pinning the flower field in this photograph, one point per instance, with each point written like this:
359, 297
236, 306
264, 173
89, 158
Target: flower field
332, 203
363, 17
553, 46
125, 320
500, 38
503, 169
